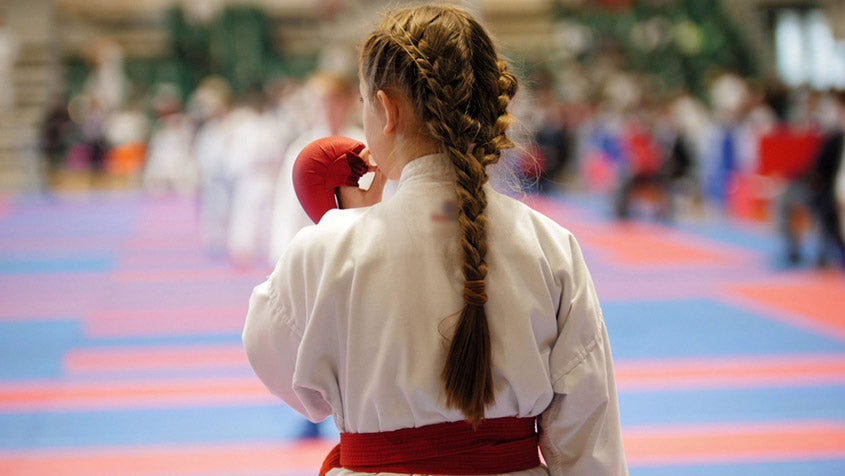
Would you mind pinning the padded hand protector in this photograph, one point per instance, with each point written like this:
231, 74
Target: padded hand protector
323, 166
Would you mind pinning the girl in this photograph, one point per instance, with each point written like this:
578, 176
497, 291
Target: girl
449, 329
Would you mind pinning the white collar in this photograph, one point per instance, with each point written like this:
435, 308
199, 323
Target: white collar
432, 167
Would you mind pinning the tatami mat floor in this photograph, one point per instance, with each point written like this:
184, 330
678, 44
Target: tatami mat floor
120, 347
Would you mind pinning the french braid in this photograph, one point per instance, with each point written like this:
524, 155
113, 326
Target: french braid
445, 63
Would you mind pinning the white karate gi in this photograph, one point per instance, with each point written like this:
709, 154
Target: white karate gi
170, 164
354, 320
253, 155
210, 148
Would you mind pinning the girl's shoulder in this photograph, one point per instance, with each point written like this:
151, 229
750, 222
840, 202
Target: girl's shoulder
516, 225
316, 241
337, 220
519, 214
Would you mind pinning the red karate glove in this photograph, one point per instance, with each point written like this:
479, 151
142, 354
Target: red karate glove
322, 167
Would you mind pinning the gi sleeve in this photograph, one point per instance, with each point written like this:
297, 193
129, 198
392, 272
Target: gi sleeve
580, 431
273, 335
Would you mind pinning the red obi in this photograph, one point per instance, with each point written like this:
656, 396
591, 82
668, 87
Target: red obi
497, 445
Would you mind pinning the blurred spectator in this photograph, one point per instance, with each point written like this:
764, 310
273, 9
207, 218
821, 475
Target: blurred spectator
332, 98
757, 119
8, 56
553, 141
94, 135
786, 155
286, 102
629, 145
253, 155
210, 106
675, 177
170, 166
839, 191
691, 121
729, 96
602, 154
107, 82
822, 184
641, 171
55, 136
92, 109
127, 131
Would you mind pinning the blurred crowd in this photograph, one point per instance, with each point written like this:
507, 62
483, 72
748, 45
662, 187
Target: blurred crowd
233, 152
751, 150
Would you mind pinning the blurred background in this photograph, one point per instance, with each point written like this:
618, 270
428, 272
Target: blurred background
684, 107
694, 147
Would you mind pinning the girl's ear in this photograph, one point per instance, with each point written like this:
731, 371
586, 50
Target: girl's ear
390, 111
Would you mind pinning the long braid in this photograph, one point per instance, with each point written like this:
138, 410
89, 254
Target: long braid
446, 64
498, 138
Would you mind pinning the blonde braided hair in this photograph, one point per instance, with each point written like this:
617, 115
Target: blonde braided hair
446, 64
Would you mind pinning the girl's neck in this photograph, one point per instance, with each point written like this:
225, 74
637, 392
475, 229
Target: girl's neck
409, 149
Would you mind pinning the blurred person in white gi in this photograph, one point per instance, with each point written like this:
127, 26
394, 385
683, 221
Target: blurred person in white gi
329, 98
209, 104
170, 166
253, 155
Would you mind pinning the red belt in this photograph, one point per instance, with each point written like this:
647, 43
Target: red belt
498, 445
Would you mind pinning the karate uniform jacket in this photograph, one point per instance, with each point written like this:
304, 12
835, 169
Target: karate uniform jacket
354, 322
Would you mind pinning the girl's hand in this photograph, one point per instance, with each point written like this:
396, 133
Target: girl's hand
355, 197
